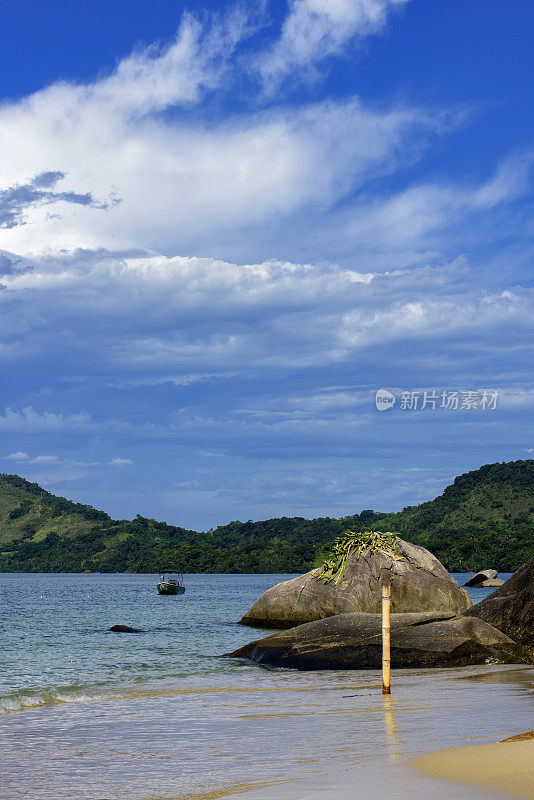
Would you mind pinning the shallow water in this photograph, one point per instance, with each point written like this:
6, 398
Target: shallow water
89, 714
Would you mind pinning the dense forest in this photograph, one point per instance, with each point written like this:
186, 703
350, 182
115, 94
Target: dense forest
484, 519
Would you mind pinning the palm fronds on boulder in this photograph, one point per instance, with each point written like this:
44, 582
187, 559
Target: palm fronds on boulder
351, 542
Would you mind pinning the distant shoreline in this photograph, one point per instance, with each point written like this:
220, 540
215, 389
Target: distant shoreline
483, 520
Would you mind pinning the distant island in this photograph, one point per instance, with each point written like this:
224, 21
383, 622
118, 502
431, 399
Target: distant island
485, 518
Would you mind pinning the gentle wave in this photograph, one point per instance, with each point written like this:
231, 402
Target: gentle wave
29, 700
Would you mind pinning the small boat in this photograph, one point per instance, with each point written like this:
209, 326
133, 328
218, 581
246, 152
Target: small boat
171, 582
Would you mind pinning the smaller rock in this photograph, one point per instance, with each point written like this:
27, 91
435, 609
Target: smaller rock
519, 737
480, 577
123, 629
493, 582
511, 607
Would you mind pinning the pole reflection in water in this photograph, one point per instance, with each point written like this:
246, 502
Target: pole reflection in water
392, 734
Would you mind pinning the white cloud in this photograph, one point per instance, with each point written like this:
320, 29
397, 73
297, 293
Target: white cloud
50, 460
265, 182
103, 135
316, 260
317, 29
156, 78
18, 456
176, 380
436, 316
271, 181
153, 320
45, 460
516, 397
332, 400
209, 179
31, 421
206, 182
408, 217
50, 470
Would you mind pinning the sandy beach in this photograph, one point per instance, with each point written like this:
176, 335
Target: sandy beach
507, 767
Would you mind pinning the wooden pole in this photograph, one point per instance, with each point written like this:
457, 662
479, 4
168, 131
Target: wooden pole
386, 654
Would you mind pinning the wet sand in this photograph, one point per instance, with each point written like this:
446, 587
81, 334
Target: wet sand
506, 767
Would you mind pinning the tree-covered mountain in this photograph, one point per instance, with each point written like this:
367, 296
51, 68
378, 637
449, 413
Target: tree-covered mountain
484, 519
485, 516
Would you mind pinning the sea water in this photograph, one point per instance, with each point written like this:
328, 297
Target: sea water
87, 714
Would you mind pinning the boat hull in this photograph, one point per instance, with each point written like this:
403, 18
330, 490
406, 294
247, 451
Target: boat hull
169, 588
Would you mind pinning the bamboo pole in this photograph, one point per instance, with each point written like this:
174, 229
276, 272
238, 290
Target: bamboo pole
386, 625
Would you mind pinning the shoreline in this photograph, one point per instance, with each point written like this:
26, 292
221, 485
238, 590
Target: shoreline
486, 771
360, 735
506, 766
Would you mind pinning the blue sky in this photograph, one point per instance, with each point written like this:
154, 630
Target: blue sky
223, 228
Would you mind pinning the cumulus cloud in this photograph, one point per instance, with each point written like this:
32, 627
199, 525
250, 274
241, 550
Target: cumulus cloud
254, 182
299, 181
316, 29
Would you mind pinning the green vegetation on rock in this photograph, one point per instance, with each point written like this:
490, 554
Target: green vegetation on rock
334, 566
484, 519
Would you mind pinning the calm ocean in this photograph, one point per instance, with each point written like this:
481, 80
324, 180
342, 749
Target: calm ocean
86, 714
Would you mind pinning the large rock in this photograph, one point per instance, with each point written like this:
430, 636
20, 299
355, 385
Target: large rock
481, 577
511, 608
353, 641
419, 582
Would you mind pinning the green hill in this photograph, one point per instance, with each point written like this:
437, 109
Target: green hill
28, 512
484, 519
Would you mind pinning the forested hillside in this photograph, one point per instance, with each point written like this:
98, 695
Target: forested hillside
484, 519
485, 516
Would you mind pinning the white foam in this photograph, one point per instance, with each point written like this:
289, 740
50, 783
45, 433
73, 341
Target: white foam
24, 702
